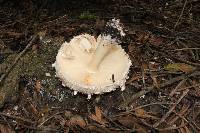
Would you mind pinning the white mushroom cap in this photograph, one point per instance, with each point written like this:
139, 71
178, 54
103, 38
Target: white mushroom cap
73, 66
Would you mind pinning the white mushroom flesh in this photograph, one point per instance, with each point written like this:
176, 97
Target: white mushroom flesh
81, 68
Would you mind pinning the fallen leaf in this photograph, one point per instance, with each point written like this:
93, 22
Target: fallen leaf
155, 82
195, 91
179, 67
33, 109
45, 109
68, 114
142, 37
143, 114
98, 116
185, 130
77, 120
5, 129
155, 40
131, 122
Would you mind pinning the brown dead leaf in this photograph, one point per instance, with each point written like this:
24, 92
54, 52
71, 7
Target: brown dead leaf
5, 129
33, 109
98, 117
131, 122
144, 66
45, 109
68, 114
155, 40
185, 129
143, 114
142, 37
77, 121
155, 81
195, 91
35, 48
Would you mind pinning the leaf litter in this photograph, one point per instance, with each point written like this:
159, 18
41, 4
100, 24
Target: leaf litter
162, 41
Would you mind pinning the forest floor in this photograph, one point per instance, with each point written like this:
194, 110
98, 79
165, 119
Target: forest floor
163, 90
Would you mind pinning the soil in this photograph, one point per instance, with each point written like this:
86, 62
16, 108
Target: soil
163, 90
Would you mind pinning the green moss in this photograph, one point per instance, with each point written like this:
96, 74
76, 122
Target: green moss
87, 15
31, 64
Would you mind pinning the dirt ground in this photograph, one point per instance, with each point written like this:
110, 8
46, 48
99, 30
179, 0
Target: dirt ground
163, 90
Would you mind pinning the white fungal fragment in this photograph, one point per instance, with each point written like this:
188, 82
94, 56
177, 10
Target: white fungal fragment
75, 92
116, 24
53, 65
89, 96
48, 74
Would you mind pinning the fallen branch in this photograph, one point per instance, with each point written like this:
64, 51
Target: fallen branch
180, 14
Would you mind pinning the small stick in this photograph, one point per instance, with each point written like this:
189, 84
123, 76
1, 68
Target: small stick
17, 117
52, 116
177, 87
181, 49
17, 58
171, 109
182, 112
180, 14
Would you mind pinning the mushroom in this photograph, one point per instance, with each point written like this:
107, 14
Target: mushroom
94, 66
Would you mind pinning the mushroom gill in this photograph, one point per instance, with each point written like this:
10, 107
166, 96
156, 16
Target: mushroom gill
94, 66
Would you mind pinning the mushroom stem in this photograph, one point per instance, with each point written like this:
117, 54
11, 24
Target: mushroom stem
102, 50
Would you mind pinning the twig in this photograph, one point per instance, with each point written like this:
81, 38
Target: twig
186, 46
163, 52
4, 118
17, 58
177, 114
17, 117
172, 128
176, 88
180, 14
56, 20
116, 124
181, 49
192, 86
182, 113
139, 107
171, 109
143, 78
42, 129
148, 89
49, 118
